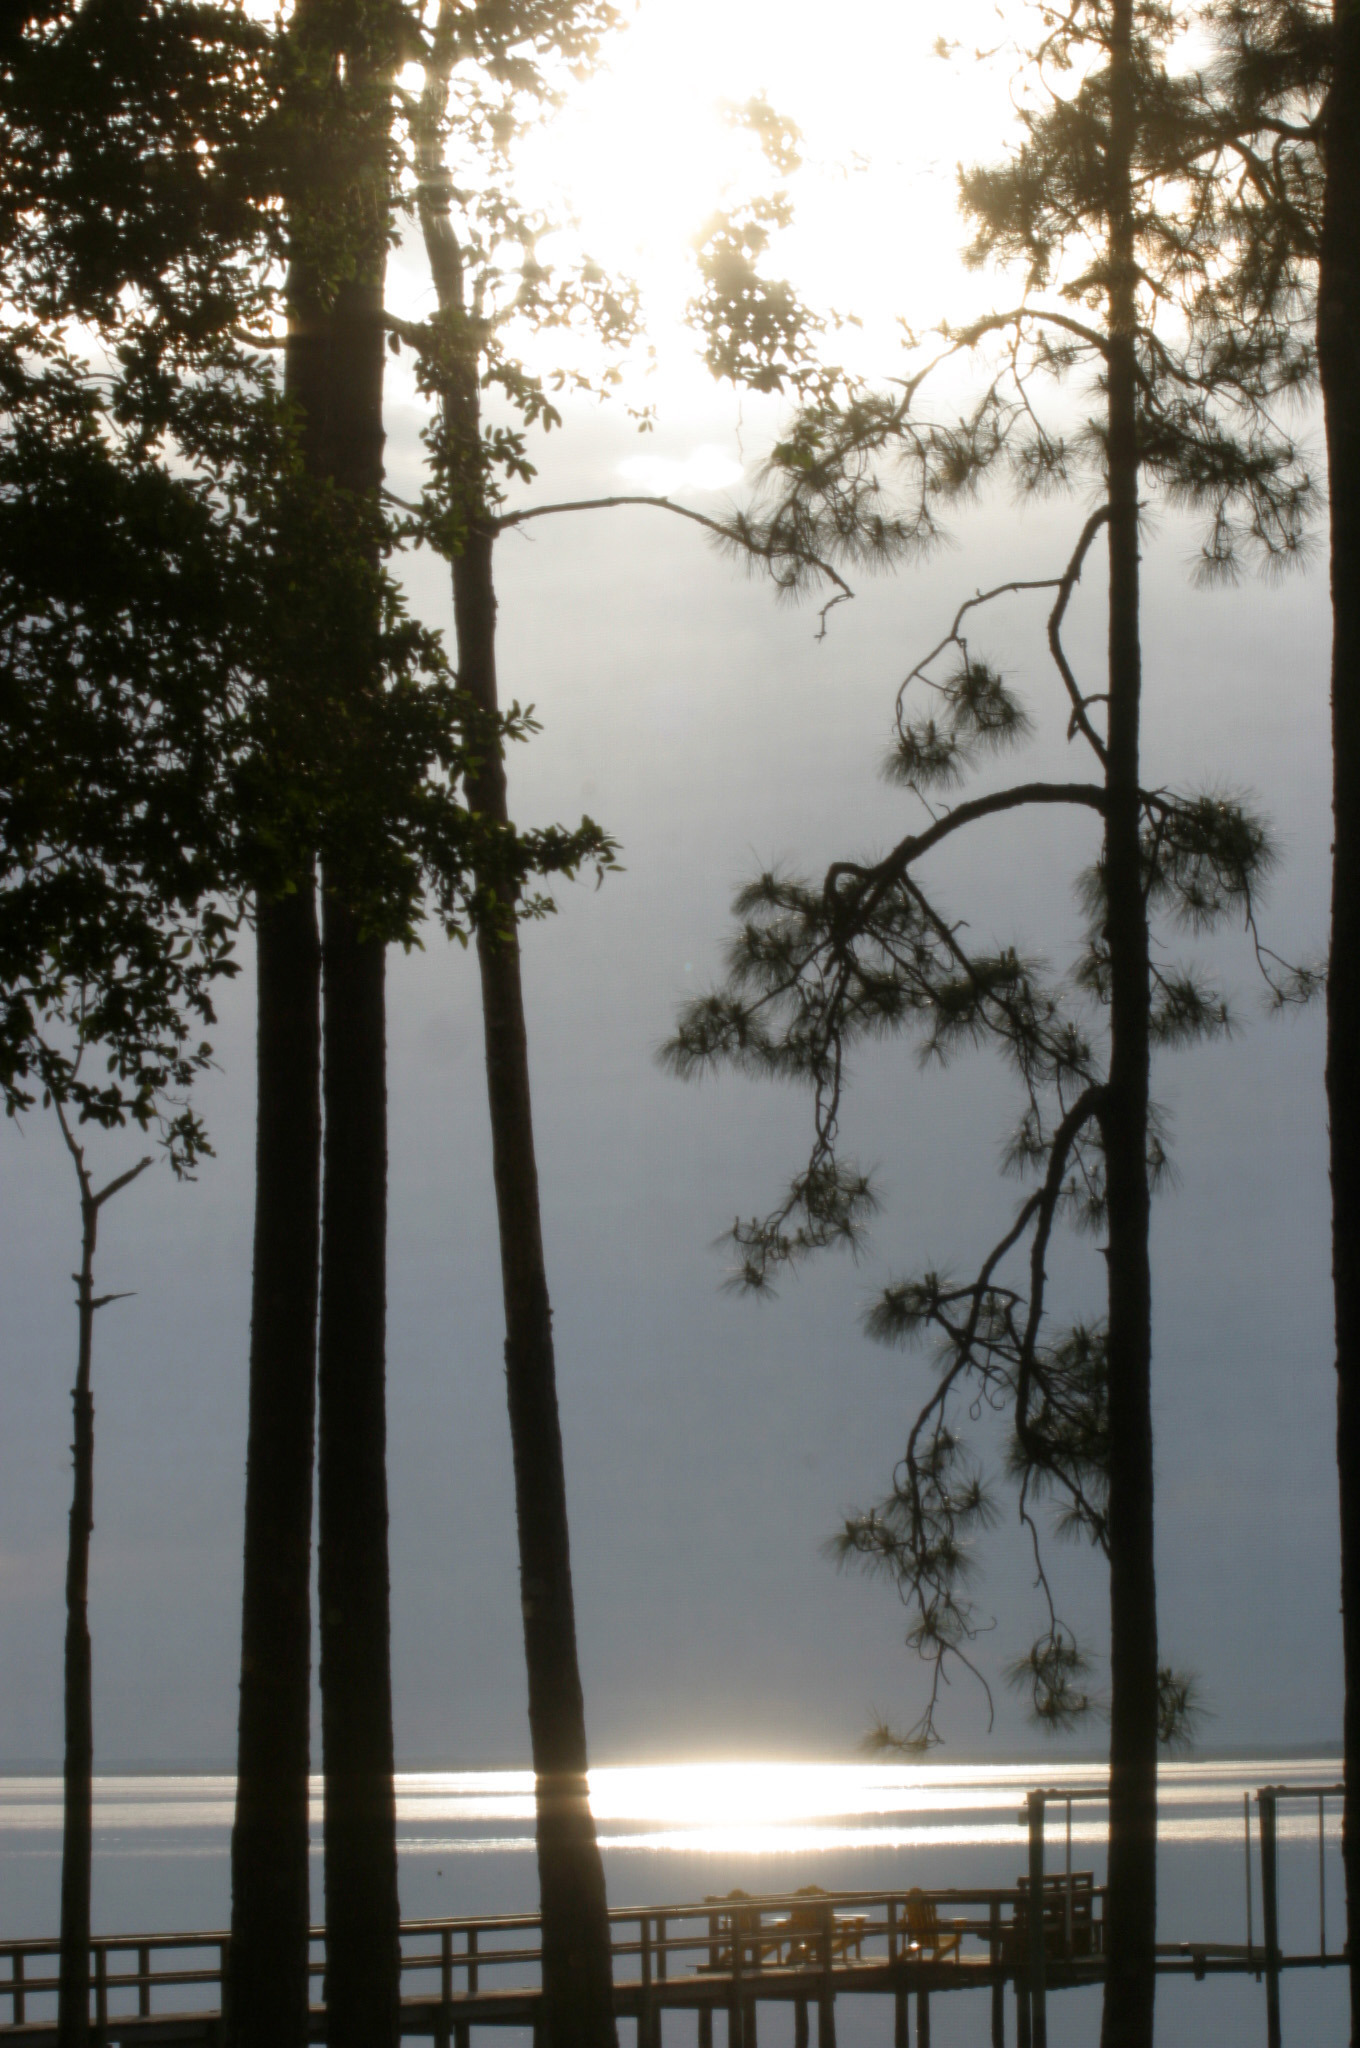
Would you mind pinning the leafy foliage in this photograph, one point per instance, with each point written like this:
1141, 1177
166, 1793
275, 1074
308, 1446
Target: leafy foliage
180, 598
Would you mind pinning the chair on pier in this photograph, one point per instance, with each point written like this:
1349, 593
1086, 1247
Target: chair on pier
1071, 1929
806, 1926
931, 1941
760, 1943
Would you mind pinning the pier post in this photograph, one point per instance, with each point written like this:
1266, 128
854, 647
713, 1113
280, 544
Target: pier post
899, 1986
224, 1986
800, 2024
1270, 1913
645, 2008
101, 1996
1038, 2007
826, 2000
998, 1980
1021, 2012
736, 2011
922, 2017
1251, 1938
441, 2038
462, 2029
1322, 1889
706, 2011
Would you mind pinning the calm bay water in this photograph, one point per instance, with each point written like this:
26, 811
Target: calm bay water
682, 1831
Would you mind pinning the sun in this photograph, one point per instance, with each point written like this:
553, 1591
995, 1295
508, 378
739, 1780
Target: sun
644, 152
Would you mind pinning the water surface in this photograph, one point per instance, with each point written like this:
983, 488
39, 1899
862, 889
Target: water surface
677, 1832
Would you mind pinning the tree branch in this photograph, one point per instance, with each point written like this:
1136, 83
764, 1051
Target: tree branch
1080, 722
124, 1180
969, 336
1088, 795
726, 533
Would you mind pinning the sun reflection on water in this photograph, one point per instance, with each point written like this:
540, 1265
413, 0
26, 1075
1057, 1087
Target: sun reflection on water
718, 1809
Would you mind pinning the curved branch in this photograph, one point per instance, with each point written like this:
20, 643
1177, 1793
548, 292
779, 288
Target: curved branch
969, 336
1079, 722
1087, 1105
965, 1338
115, 1187
894, 866
729, 535
954, 636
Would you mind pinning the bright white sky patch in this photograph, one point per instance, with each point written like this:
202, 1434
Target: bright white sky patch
709, 468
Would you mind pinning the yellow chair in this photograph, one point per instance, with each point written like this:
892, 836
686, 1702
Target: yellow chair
931, 1941
806, 1925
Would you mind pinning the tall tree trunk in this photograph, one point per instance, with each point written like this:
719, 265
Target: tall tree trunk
1130, 1982
362, 1916
1339, 358
363, 1945
73, 1998
577, 1962
267, 1992
333, 335
577, 1958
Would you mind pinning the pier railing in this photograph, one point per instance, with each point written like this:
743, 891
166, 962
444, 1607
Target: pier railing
723, 1954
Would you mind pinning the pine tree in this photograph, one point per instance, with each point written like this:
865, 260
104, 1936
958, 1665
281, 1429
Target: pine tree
490, 75
1122, 279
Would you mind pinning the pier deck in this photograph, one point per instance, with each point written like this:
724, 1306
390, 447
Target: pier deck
726, 1956
672, 1960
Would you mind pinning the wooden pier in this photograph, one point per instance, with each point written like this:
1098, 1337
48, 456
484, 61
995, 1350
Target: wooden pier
726, 1956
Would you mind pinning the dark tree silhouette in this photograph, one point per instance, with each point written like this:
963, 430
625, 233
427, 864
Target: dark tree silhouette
382, 731
73, 1998
117, 730
1294, 69
338, 225
1338, 344
125, 595
460, 356
210, 688
1119, 276
337, 347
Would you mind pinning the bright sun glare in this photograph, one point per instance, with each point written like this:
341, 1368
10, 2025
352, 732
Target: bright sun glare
644, 153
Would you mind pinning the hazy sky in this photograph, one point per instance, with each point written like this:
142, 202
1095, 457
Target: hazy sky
712, 1443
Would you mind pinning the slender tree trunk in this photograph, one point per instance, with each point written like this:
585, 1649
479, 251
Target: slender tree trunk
73, 1998
1339, 357
577, 1964
1130, 1983
267, 1994
73, 1983
577, 1958
363, 1946
362, 1916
